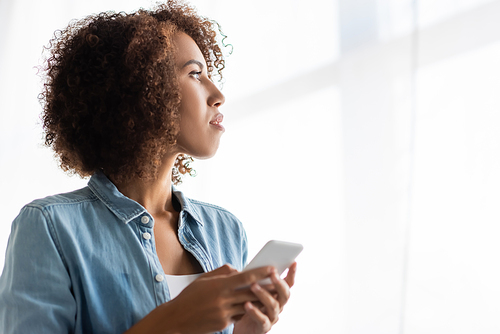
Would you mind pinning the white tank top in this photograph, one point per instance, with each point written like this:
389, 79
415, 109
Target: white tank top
177, 283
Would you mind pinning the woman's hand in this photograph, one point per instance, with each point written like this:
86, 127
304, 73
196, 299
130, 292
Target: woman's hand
209, 304
261, 316
214, 299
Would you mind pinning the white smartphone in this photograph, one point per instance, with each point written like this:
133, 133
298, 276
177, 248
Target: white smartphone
280, 254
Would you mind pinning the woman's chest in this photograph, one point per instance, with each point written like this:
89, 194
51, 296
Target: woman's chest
174, 258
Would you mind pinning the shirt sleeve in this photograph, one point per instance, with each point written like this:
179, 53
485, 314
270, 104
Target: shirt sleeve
244, 249
35, 288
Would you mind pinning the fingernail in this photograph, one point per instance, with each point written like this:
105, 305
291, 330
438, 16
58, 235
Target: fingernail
255, 287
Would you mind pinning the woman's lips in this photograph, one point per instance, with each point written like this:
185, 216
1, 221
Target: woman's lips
217, 120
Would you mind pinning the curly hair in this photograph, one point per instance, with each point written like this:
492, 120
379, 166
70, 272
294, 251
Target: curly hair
111, 97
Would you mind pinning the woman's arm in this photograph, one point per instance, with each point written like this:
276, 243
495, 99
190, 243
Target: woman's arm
35, 288
209, 304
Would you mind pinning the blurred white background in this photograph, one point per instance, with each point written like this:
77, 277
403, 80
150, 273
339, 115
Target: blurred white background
368, 130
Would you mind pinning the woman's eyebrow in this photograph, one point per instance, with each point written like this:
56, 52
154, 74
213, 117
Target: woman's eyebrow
193, 61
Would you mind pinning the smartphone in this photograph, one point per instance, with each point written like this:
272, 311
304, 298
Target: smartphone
280, 254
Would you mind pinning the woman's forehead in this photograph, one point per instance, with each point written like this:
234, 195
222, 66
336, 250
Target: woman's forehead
187, 51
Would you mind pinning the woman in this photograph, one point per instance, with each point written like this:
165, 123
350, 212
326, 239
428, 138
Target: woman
128, 100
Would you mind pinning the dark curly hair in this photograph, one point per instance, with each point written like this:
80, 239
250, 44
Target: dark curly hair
111, 97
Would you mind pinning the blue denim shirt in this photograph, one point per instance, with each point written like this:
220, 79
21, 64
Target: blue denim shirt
82, 262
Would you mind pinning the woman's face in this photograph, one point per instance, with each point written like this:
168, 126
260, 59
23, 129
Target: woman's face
200, 125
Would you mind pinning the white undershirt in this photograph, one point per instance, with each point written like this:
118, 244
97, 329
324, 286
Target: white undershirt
177, 283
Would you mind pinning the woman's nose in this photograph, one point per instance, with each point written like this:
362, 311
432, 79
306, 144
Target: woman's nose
216, 98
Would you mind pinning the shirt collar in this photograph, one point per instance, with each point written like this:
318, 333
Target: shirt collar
187, 206
127, 209
123, 207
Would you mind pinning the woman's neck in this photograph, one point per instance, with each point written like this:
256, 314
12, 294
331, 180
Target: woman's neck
154, 195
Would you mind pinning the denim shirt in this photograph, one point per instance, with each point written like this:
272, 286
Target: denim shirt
85, 261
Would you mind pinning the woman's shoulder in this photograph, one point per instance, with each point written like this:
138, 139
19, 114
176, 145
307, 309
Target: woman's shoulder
62, 210
63, 199
206, 212
220, 214
201, 205
43, 219
210, 207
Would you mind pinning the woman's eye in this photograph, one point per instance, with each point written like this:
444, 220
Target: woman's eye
196, 75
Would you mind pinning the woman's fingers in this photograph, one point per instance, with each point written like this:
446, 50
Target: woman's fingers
246, 278
258, 316
271, 305
290, 277
226, 269
241, 296
237, 311
282, 289
244, 294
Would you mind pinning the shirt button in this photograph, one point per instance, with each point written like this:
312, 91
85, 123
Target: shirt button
145, 219
159, 278
146, 235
